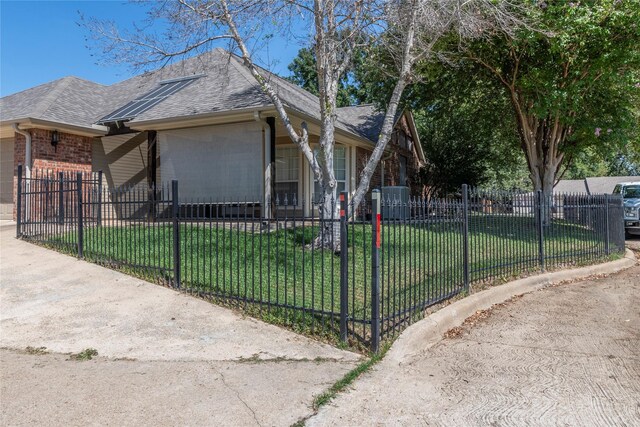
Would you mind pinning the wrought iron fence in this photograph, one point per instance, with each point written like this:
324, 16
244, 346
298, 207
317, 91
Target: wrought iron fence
361, 273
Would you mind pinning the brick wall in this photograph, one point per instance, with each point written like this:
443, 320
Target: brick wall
397, 147
73, 153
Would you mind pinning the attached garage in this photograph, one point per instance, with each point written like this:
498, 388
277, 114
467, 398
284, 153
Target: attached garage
6, 178
214, 163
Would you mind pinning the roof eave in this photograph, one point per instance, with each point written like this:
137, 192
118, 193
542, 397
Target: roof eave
314, 127
236, 116
416, 136
31, 122
195, 120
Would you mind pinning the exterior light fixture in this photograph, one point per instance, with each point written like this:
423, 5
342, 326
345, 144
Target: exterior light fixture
54, 140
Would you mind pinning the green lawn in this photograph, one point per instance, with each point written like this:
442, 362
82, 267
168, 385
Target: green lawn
418, 263
265, 272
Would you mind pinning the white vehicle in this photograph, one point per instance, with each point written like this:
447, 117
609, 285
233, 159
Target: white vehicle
630, 192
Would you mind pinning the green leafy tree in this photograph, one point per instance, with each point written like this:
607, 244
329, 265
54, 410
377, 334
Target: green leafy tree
468, 134
303, 73
339, 27
466, 131
591, 163
573, 83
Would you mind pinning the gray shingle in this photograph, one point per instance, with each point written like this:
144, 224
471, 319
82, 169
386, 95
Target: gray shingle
363, 120
570, 186
605, 184
227, 86
68, 100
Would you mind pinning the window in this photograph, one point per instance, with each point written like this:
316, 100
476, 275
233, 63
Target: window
631, 192
287, 172
339, 169
402, 173
402, 139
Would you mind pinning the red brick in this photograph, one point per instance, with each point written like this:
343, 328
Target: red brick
73, 153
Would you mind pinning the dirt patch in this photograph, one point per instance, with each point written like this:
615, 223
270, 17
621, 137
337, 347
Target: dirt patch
36, 350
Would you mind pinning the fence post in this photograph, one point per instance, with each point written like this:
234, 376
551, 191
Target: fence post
47, 197
61, 198
176, 233
375, 270
540, 208
19, 204
465, 234
607, 242
99, 213
80, 214
344, 262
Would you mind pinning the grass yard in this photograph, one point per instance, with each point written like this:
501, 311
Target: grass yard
419, 263
271, 272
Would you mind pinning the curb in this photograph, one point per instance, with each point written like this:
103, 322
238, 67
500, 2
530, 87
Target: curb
429, 331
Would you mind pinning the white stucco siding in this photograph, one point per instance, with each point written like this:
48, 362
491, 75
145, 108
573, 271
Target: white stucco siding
221, 163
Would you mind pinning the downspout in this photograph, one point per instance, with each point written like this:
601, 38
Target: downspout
27, 165
271, 123
27, 154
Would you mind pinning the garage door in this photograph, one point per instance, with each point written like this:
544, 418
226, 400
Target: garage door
214, 162
6, 178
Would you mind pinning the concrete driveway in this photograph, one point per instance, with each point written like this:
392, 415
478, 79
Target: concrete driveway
164, 358
567, 355
633, 243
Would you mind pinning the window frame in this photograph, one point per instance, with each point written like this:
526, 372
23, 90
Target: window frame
342, 183
291, 149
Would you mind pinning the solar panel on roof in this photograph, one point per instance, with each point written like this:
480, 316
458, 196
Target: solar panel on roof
148, 100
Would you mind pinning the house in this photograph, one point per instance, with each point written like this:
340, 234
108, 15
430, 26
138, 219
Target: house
203, 121
570, 186
591, 185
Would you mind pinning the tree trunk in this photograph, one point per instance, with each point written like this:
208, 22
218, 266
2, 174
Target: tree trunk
541, 140
328, 211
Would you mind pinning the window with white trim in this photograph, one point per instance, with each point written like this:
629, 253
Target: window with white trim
339, 170
287, 171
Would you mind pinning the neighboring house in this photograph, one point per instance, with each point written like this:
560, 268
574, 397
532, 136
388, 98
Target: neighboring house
606, 184
591, 185
203, 121
570, 186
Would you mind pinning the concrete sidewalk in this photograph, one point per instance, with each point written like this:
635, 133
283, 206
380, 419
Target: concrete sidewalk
164, 357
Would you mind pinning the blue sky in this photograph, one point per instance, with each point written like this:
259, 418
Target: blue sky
41, 41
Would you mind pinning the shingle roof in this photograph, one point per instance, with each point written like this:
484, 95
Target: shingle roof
68, 100
592, 185
226, 86
605, 184
363, 120
570, 186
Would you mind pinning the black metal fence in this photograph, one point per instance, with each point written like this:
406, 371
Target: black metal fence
361, 273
